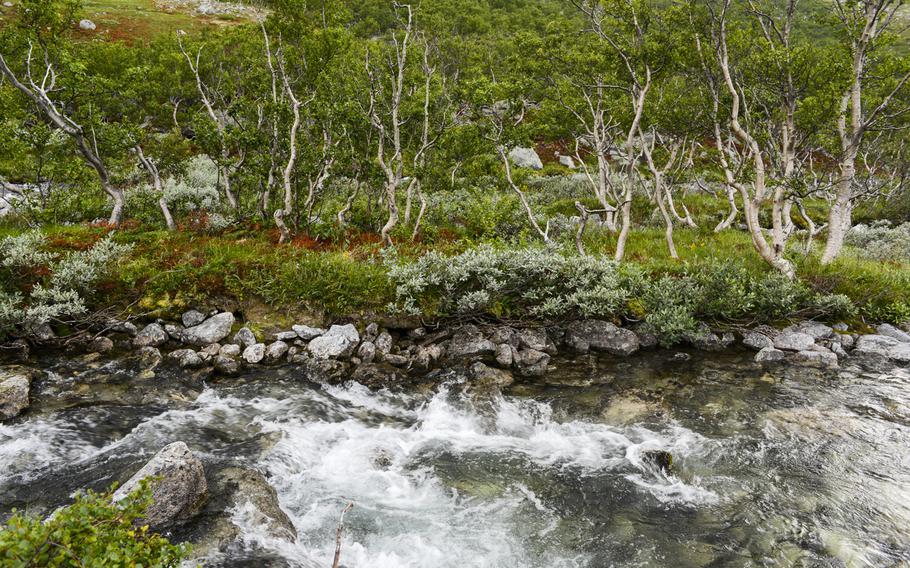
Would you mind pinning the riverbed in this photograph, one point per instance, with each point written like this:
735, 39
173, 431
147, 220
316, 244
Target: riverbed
781, 466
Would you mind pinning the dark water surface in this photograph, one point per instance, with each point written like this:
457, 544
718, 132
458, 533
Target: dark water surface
781, 467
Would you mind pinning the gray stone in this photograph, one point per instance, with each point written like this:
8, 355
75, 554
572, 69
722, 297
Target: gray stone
41, 333
813, 329
846, 340
841, 327
384, 343
306, 332
254, 353
276, 351
192, 318
15, 382
889, 330
567, 161
126, 327
504, 334
504, 355
286, 336
367, 352
531, 362
175, 332
769, 355
469, 342
210, 331
487, 377
794, 341
152, 335
706, 340
178, 491
7, 4
101, 345
525, 158
599, 335
371, 332
883, 346
150, 356
244, 337
186, 358
376, 375
646, 336
817, 358
532, 339
210, 351
428, 355
87, 25
227, 365
396, 360
230, 350
757, 341
338, 342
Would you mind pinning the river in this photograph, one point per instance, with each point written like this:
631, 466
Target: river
771, 467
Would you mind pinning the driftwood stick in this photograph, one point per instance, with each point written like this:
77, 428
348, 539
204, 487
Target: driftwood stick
338, 532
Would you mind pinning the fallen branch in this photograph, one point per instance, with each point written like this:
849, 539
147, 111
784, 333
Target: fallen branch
338, 532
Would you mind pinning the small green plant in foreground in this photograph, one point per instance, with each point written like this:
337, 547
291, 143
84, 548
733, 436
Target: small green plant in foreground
92, 532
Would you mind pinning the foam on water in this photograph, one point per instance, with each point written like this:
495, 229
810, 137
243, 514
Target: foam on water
406, 514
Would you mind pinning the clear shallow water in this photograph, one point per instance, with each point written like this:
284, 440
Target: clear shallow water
792, 467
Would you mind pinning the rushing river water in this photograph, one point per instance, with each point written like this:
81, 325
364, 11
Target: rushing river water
779, 467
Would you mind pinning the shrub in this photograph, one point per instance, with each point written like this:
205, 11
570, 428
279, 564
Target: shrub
93, 531
38, 287
881, 241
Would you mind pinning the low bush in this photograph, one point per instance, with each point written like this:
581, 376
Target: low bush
93, 531
39, 286
882, 241
546, 284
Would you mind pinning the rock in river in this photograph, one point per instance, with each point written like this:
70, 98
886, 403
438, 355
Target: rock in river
883, 346
599, 335
210, 331
180, 490
14, 384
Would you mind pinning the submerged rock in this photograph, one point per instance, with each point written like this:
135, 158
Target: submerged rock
599, 335
15, 382
484, 376
531, 362
210, 331
660, 459
375, 375
179, 491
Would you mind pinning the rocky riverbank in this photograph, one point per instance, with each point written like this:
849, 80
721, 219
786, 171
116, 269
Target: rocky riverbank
215, 343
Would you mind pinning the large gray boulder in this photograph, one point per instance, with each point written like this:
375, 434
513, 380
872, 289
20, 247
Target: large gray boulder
244, 337
598, 335
525, 158
338, 342
883, 346
178, 492
210, 331
469, 343
276, 351
152, 335
794, 341
14, 384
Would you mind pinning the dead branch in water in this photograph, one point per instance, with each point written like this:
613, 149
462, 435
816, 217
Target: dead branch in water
338, 533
